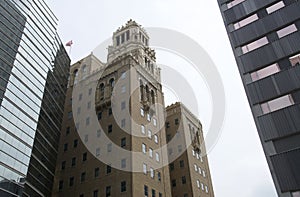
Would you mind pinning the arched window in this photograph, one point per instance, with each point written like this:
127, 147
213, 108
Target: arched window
148, 93
152, 97
111, 84
75, 76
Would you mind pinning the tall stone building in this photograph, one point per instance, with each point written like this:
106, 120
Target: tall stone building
34, 68
189, 170
265, 39
113, 140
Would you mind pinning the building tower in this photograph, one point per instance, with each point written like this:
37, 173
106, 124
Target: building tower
123, 157
265, 39
33, 80
189, 170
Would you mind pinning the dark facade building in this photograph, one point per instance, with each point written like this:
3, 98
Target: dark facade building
265, 39
34, 69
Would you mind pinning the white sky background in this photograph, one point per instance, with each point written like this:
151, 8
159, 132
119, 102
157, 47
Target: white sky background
237, 162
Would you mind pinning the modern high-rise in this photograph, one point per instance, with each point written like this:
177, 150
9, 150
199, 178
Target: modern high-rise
265, 39
189, 170
34, 69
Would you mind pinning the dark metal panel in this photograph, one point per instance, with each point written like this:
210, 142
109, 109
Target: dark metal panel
289, 143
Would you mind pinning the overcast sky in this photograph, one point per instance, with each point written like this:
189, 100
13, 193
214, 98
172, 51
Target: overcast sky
237, 162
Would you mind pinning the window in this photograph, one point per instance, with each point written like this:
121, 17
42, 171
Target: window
73, 162
286, 31
75, 143
254, 45
150, 152
142, 112
176, 121
123, 142
99, 115
68, 130
109, 147
234, 3
143, 129
109, 111
96, 172
183, 180
97, 152
181, 163
89, 105
199, 170
144, 148
149, 134
84, 156
185, 195
80, 97
196, 167
123, 123
295, 60
173, 183
167, 125
153, 193
60, 185
123, 89
71, 181
95, 193
158, 176
171, 165
123, 163
122, 38
202, 186
179, 147
90, 91
98, 133
157, 157
170, 151
197, 155
275, 7
86, 138
198, 183
206, 189
203, 173
87, 121
193, 152
276, 104
118, 40
108, 169
63, 165
148, 117
123, 75
82, 177
265, 72
245, 21
65, 146
81, 195
78, 110
151, 172
156, 139
154, 121
160, 194
123, 105
123, 186
108, 191
145, 168
145, 190
109, 130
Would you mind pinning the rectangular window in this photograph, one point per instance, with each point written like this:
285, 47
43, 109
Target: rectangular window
99, 115
196, 167
276, 104
145, 168
142, 112
123, 186
87, 121
86, 138
193, 152
109, 130
265, 72
122, 38
63, 165
98, 133
78, 110
108, 191
181, 163
118, 40
123, 75
82, 177
73, 162
202, 186
245, 21
90, 91
151, 172
199, 170
123, 142
149, 134
145, 190
234, 3
97, 152
157, 157
95, 193
97, 172
176, 121
295, 60
143, 129
108, 169
84, 156
206, 189
123, 123
255, 45
148, 117
75, 143
123, 163
203, 173
171, 166
154, 121
123, 105
65, 147
123, 89
160, 194
198, 183
158, 176
153, 193
167, 125
156, 139
144, 148
286, 31
275, 7
89, 105
183, 180
174, 183
179, 147
68, 130
150, 152
71, 181
109, 147
109, 111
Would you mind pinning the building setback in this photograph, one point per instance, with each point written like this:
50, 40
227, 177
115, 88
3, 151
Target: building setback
125, 152
189, 170
265, 39
34, 68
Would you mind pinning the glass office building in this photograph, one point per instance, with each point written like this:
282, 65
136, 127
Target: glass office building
34, 69
265, 38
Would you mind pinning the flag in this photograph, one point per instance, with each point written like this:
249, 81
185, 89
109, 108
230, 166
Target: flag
68, 44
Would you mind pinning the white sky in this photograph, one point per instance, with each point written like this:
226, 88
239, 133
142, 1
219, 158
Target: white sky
237, 163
